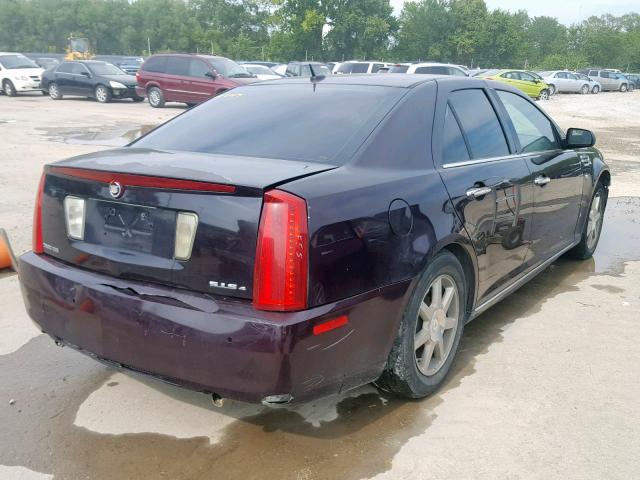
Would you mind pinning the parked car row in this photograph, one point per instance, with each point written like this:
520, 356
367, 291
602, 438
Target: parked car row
194, 78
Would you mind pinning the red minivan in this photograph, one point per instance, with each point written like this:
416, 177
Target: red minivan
186, 78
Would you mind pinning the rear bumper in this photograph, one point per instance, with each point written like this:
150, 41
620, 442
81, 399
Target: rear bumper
220, 345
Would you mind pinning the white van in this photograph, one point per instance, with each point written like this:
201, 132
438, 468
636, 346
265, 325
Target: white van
18, 74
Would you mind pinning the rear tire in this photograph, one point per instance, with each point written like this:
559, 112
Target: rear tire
544, 94
103, 94
54, 91
156, 97
552, 89
9, 89
430, 331
593, 225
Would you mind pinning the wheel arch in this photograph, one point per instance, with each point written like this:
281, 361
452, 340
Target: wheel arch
463, 251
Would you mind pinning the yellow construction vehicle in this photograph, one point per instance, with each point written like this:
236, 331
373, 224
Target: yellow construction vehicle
78, 49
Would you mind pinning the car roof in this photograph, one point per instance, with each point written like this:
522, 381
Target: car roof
435, 64
372, 79
297, 62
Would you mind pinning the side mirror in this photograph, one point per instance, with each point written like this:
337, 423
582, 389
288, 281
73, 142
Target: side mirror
579, 138
211, 75
85, 74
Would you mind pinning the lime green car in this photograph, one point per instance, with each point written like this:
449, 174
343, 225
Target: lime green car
530, 83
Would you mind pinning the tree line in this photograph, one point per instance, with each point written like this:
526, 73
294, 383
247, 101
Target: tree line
457, 31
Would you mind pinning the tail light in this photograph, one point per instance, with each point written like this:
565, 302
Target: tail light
281, 265
38, 245
489, 78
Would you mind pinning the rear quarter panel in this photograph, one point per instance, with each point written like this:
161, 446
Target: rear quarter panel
391, 181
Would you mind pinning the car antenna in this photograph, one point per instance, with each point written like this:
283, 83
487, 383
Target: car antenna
315, 78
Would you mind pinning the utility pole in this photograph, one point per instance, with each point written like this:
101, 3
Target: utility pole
149, 45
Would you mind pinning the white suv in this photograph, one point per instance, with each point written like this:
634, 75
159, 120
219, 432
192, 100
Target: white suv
356, 66
18, 74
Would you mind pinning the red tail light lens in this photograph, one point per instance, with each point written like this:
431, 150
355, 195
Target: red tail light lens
280, 273
38, 245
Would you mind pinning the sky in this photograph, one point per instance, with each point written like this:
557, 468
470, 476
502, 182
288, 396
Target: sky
566, 11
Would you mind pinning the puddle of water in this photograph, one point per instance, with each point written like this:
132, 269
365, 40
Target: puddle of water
107, 137
359, 442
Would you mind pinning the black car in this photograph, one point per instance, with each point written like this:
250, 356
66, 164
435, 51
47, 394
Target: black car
342, 237
91, 78
131, 65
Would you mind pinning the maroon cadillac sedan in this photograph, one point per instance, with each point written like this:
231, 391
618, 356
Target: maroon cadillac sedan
298, 238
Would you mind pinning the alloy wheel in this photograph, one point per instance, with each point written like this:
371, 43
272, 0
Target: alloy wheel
596, 89
101, 94
53, 91
594, 223
544, 95
154, 97
436, 326
585, 89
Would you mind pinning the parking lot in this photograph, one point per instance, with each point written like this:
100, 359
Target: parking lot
546, 383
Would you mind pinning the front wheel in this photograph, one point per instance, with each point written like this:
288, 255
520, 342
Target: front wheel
585, 89
595, 90
593, 226
429, 332
623, 87
552, 89
545, 94
103, 94
9, 89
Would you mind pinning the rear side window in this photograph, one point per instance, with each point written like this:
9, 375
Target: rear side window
65, 68
177, 66
155, 64
375, 67
289, 122
604, 74
399, 69
453, 147
534, 130
479, 123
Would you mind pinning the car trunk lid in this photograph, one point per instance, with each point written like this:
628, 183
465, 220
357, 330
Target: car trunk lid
132, 200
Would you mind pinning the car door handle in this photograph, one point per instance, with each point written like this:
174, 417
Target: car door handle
478, 192
542, 180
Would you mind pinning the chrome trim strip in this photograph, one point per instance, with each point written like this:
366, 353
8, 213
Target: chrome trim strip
518, 283
498, 159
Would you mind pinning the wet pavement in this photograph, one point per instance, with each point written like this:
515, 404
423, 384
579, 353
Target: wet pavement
64, 402
545, 384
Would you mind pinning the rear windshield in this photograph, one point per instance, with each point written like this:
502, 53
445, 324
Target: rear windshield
399, 69
349, 67
287, 121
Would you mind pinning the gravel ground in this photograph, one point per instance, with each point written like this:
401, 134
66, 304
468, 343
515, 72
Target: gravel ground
545, 386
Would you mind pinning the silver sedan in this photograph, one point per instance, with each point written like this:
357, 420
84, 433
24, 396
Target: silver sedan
562, 81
